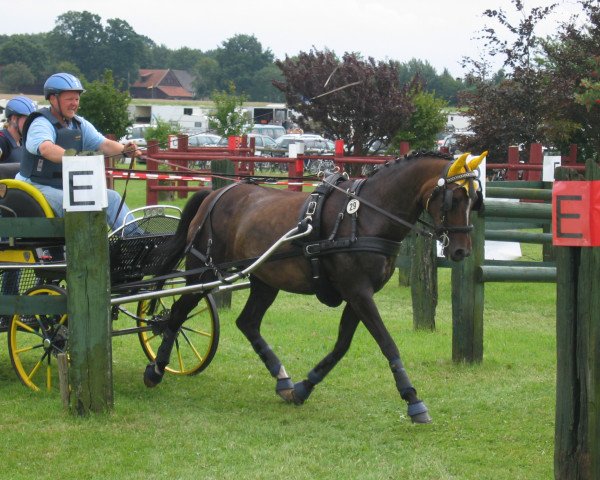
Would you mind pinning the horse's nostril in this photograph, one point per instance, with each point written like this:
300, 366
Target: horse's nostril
459, 254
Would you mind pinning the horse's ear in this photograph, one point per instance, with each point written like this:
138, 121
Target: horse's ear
474, 163
458, 166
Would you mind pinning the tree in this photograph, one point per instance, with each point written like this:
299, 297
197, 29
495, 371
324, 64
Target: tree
125, 50
206, 76
240, 58
444, 86
80, 38
228, 118
262, 89
184, 58
514, 110
105, 106
573, 83
161, 131
27, 50
427, 120
358, 101
16, 76
69, 67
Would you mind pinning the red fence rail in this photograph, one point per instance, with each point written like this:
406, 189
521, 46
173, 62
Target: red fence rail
183, 160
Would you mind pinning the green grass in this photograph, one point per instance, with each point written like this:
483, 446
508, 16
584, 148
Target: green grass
494, 420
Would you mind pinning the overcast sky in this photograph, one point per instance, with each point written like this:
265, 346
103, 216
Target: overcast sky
438, 31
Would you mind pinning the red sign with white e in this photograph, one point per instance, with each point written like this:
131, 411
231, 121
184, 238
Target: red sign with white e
576, 214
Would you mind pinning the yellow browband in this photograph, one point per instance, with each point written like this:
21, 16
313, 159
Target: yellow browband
460, 165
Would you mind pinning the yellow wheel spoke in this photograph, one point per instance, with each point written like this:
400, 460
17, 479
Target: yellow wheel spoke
24, 326
49, 377
26, 349
150, 338
198, 356
35, 369
180, 360
199, 332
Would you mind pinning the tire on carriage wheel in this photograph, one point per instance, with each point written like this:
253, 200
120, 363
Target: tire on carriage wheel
197, 339
35, 340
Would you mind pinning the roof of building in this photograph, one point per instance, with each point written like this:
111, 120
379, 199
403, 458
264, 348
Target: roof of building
173, 83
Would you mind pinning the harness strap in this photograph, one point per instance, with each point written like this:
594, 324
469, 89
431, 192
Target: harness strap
388, 248
212, 204
383, 212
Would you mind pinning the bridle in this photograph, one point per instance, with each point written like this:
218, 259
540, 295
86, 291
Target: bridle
442, 229
439, 231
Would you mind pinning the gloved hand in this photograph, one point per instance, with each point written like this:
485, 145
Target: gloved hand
131, 150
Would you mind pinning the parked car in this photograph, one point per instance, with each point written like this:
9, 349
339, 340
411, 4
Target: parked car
273, 131
263, 144
313, 144
136, 133
203, 140
452, 142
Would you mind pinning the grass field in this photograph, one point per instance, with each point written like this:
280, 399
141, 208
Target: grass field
494, 420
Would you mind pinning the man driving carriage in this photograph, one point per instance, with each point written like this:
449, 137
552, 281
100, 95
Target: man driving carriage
49, 132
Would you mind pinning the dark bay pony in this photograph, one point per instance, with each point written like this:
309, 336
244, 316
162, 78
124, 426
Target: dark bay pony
244, 221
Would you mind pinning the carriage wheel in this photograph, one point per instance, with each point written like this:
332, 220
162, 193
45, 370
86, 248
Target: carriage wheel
35, 340
197, 340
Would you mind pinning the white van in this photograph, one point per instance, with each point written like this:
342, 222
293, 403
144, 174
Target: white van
273, 131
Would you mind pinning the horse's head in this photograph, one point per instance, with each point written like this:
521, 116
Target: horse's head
450, 202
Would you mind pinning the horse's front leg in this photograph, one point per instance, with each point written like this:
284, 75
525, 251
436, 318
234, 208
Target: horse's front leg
348, 324
366, 309
155, 371
261, 297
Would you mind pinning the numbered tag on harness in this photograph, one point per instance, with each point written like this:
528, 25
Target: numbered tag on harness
353, 206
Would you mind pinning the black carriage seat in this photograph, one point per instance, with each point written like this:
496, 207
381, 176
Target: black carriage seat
20, 199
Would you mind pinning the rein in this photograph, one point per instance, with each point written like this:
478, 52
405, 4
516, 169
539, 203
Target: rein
383, 212
438, 231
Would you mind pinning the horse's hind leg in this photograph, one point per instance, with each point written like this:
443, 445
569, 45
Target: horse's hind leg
348, 324
155, 371
260, 299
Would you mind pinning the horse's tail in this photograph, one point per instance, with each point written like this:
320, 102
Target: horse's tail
175, 247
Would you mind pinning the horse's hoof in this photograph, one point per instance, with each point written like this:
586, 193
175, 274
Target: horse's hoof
418, 413
285, 389
301, 392
152, 376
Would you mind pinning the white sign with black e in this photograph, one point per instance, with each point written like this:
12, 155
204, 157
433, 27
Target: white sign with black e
84, 184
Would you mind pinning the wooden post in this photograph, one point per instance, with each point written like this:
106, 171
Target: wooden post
577, 425
467, 300
404, 260
536, 157
182, 146
88, 306
404, 148
423, 280
63, 379
151, 164
513, 159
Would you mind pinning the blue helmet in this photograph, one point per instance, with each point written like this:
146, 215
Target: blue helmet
62, 82
19, 106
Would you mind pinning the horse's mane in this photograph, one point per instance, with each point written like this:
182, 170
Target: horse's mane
406, 159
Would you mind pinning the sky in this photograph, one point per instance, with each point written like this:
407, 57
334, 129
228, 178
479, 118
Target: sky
440, 32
